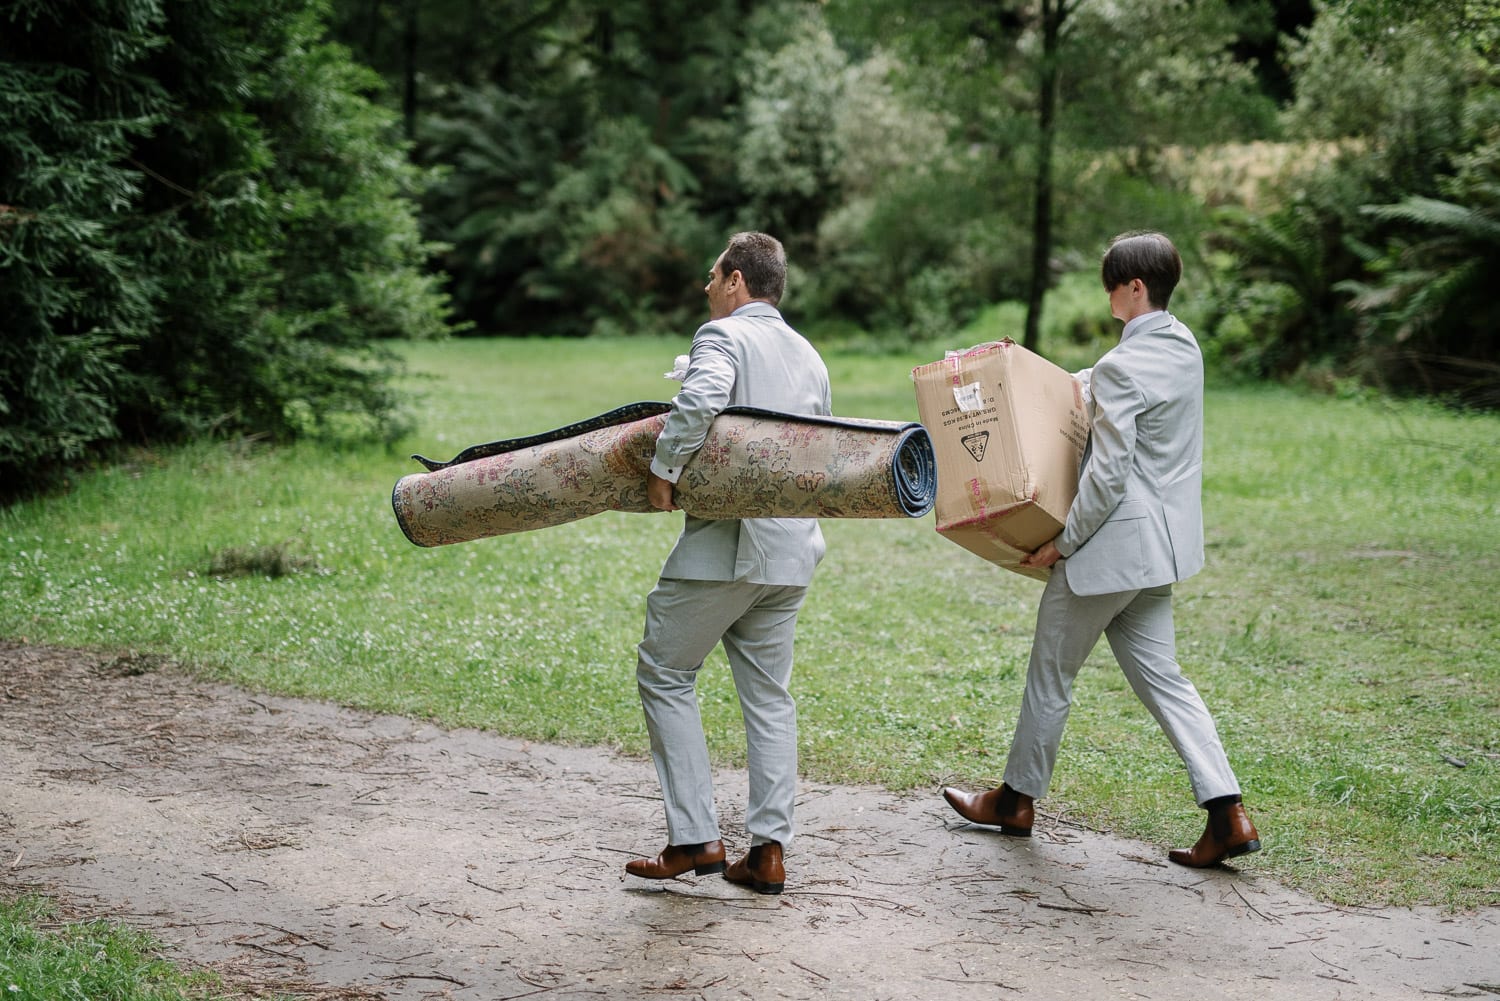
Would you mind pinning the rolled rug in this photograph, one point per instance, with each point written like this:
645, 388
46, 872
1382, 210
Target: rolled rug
753, 464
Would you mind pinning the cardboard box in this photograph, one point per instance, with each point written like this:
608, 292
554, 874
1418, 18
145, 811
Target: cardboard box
1009, 428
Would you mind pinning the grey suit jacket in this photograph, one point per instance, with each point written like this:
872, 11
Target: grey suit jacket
1137, 521
750, 358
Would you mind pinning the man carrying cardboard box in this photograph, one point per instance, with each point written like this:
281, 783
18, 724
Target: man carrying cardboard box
1134, 529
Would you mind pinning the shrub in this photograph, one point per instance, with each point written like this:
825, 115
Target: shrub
76, 301
206, 226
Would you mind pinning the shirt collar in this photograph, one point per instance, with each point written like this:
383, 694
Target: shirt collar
1138, 324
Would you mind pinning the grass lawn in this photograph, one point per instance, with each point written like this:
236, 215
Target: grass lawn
1345, 632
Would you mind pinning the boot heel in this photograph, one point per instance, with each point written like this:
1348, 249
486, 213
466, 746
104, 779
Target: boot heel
1016, 832
1244, 849
709, 869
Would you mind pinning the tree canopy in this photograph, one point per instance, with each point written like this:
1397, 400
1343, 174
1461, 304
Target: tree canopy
215, 213
206, 224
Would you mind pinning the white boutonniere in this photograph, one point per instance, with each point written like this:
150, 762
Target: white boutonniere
679, 368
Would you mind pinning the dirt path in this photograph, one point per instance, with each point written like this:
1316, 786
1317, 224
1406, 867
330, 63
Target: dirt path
292, 842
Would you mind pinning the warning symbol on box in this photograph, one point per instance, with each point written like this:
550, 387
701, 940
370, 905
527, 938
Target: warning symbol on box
976, 443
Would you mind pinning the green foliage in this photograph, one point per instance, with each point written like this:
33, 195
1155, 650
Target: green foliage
890, 222
1277, 310
616, 233
1373, 266
1431, 309
590, 174
206, 225
1402, 92
1429, 314
597, 156
1143, 91
76, 301
1131, 84
349, 237
494, 144
924, 253
279, 221
790, 150
607, 240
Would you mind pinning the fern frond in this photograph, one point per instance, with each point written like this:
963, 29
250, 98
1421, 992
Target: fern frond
1458, 219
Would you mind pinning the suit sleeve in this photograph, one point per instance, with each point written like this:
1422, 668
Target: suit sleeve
705, 393
1118, 403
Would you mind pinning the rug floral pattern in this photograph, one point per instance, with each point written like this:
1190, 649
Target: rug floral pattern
754, 464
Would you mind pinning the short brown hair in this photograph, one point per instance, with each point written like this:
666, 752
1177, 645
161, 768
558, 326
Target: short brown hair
1146, 255
761, 261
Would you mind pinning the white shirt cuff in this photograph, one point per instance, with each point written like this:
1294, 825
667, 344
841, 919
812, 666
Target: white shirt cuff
668, 473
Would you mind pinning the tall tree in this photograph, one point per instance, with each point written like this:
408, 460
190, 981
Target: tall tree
1049, 71
206, 226
77, 302
588, 149
421, 47
277, 210
1069, 92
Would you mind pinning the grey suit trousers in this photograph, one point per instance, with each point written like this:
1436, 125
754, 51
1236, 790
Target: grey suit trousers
757, 622
1141, 634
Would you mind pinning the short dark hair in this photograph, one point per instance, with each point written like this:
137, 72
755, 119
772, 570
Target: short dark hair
1148, 256
761, 261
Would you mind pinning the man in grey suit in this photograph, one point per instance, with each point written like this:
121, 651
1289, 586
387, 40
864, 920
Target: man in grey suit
1135, 529
739, 581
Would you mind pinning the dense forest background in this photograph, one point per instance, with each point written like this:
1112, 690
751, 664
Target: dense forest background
216, 215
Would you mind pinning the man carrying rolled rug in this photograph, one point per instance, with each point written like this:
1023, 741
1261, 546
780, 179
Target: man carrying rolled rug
739, 581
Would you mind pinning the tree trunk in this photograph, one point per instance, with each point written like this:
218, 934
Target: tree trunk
1054, 12
409, 70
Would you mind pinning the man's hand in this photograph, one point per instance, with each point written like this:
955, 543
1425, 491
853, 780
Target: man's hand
659, 493
1044, 557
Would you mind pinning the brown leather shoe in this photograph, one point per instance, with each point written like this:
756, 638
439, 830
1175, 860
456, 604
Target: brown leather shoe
1004, 808
760, 869
1229, 833
675, 860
